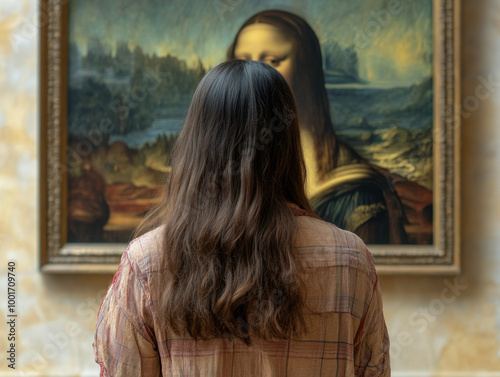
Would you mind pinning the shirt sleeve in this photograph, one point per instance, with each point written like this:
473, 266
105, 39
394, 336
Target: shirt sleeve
124, 342
371, 345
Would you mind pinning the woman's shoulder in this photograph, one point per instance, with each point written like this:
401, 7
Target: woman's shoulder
315, 230
143, 251
324, 244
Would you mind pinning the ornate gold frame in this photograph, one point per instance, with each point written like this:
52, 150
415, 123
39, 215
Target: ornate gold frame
443, 257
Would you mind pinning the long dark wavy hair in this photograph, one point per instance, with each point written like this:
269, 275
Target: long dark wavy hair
230, 269
308, 81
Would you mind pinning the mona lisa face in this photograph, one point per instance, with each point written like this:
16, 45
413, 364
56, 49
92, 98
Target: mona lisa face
266, 43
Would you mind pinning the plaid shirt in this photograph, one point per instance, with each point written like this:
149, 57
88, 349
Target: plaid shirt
349, 339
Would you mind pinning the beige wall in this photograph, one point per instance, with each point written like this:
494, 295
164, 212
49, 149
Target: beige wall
435, 330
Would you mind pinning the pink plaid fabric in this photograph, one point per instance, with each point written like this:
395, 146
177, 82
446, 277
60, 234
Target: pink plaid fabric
349, 339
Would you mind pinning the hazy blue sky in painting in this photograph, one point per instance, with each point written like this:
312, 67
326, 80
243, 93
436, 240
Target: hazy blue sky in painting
399, 50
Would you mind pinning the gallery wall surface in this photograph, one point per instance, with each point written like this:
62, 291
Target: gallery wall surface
439, 326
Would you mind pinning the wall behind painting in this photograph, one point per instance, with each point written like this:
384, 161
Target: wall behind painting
435, 330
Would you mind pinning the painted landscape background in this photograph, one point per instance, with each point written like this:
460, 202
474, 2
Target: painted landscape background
134, 66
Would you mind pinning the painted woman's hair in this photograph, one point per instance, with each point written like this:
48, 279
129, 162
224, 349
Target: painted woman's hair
308, 81
228, 261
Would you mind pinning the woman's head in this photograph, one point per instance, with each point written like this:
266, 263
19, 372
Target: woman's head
289, 44
283, 40
268, 43
240, 141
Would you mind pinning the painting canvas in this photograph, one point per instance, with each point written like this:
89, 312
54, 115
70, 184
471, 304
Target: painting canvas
130, 82
375, 155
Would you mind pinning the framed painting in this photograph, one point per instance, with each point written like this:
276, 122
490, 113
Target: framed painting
377, 88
